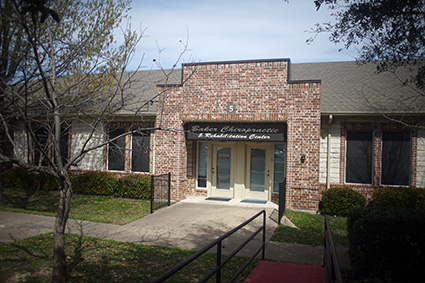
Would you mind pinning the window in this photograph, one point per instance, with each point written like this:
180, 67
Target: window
396, 151
359, 157
116, 150
140, 148
202, 164
40, 147
64, 145
279, 166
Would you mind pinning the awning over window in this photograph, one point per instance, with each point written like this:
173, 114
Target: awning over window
255, 132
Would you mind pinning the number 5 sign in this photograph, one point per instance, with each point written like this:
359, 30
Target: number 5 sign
231, 108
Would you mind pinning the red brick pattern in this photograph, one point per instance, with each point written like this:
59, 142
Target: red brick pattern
261, 92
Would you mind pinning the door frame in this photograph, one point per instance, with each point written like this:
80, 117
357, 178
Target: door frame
268, 171
212, 166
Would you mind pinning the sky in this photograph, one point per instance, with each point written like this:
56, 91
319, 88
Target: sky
230, 30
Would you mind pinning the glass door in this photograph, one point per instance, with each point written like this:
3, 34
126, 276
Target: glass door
258, 172
221, 170
257, 169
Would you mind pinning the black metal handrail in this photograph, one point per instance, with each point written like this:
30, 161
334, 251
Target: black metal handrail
160, 191
219, 262
282, 199
330, 257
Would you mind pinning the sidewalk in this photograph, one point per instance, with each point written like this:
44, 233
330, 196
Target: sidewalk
186, 225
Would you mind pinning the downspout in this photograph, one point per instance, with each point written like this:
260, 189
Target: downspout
328, 165
153, 151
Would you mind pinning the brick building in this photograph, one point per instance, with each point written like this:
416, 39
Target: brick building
236, 129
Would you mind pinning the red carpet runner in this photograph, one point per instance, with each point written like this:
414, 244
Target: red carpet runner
270, 271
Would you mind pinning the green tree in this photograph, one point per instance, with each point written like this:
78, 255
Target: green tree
60, 65
391, 31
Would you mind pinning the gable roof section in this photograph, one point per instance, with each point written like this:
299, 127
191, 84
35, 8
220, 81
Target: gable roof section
142, 90
352, 88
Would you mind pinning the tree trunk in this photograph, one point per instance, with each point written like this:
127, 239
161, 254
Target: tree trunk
59, 256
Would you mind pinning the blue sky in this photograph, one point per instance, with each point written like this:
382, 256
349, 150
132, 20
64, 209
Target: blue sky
222, 30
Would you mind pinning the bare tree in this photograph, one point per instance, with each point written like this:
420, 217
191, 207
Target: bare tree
60, 69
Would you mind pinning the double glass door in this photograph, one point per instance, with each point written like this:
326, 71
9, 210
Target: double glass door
241, 170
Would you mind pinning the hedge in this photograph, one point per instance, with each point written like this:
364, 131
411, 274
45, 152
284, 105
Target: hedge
134, 187
21, 178
387, 243
340, 200
93, 183
397, 197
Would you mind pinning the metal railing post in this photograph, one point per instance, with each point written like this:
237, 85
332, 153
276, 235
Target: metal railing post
282, 199
263, 254
218, 263
152, 192
330, 257
169, 187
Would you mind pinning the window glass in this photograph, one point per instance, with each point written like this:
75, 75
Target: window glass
40, 146
279, 165
116, 150
64, 145
359, 157
202, 164
257, 170
140, 146
396, 150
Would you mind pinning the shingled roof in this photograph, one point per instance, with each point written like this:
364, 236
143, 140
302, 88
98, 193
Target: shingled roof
352, 88
348, 88
142, 89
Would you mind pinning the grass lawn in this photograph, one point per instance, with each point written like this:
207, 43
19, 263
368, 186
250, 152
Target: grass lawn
94, 260
111, 210
91, 259
311, 229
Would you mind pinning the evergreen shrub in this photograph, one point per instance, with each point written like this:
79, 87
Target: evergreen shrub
340, 200
397, 197
135, 186
387, 243
95, 183
19, 177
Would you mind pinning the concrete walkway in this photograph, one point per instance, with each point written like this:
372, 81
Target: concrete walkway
189, 225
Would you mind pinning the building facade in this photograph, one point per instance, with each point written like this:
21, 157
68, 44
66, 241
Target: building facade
238, 129
235, 130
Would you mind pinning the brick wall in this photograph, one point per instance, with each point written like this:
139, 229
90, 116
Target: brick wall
262, 93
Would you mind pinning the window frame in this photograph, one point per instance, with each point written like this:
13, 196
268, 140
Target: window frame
197, 165
409, 165
109, 148
44, 143
372, 156
276, 190
144, 134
